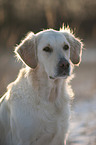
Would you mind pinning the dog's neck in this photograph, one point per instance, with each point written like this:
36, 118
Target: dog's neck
47, 88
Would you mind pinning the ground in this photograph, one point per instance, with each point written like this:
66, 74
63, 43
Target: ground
83, 116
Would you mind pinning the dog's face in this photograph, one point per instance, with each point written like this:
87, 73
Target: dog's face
54, 53
53, 50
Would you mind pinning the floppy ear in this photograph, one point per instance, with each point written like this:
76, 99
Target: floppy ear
27, 52
75, 48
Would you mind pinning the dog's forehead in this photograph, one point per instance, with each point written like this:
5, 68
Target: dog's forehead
51, 37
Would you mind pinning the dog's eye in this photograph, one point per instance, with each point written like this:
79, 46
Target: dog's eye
47, 49
66, 47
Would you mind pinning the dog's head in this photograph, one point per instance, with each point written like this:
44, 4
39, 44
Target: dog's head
52, 50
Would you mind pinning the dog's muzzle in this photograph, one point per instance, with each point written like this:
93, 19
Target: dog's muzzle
63, 68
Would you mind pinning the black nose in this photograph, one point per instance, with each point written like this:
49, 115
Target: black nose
64, 64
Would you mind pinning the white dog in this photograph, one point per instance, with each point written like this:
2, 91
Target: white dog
35, 110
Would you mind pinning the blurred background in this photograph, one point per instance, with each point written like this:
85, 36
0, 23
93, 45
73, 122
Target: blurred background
17, 17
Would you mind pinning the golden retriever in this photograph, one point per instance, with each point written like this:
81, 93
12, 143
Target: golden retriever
36, 107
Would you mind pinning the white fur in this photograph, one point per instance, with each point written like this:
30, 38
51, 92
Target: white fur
36, 109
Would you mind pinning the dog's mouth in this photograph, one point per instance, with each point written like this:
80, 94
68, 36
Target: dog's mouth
63, 75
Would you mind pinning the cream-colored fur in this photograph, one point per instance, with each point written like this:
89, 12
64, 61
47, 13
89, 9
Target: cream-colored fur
36, 108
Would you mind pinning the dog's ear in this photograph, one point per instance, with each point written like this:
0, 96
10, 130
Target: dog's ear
75, 48
27, 51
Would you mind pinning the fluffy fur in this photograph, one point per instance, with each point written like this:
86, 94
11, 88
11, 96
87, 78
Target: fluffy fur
36, 108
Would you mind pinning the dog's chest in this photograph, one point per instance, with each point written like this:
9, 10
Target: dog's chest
37, 116
51, 110
50, 118
54, 120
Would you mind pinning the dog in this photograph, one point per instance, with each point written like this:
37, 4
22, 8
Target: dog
35, 110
